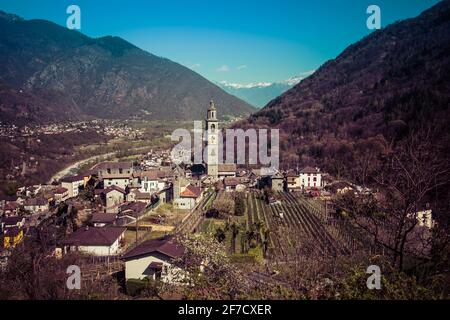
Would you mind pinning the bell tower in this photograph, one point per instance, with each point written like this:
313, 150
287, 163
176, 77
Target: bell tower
212, 129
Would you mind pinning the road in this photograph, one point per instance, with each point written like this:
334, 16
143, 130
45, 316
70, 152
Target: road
71, 169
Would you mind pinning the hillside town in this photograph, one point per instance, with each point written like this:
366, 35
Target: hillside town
131, 213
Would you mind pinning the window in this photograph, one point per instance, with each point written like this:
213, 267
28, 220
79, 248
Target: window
120, 171
108, 171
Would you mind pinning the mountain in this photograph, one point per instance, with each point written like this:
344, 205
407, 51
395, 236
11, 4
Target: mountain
259, 94
50, 73
394, 82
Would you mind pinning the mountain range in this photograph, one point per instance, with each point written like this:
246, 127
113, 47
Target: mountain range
378, 92
50, 73
261, 93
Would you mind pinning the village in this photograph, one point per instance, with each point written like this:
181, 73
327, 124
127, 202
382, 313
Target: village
125, 215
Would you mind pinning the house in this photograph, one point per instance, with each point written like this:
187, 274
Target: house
189, 197
5, 199
226, 170
61, 195
340, 187
310, 178
72, 184
155, 259
166, 195
105, 241
118, 174
11, 208
103, 219
36, 205
12, 237
278, 182
136, 195
115, 196
31, 191
233, 184
10, 222
150, 181
133, 209
293, 182
425, 218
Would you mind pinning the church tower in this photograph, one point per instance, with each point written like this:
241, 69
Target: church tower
212, 129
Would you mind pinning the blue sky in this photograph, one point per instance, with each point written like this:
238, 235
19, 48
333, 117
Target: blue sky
239, 41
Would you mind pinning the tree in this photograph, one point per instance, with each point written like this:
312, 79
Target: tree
219, 235
224, 206
234, 228
239, 206
407, 180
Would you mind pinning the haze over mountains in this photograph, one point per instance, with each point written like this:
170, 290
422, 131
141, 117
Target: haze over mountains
49, 73
392, 83
261, 93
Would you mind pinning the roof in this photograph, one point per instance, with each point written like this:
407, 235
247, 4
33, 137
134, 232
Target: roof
99, 191
36, 202
231, 181
72, 179
150, 174
92, 236
12, 232
114, 188
309, 170
11, 206
4, 197
136, 207
12, 221
291, 174
99, 217
61, 190
191, 192
142, 195
166, 246
116, 176
227, 167
278, 175
113, 165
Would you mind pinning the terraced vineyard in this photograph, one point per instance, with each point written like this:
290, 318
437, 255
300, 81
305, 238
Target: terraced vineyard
298, 214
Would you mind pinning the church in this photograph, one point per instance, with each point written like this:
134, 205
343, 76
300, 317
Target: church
214, 169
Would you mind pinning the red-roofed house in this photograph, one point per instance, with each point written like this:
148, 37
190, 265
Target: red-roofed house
189, 197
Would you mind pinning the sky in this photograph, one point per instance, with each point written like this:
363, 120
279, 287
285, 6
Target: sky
239, 41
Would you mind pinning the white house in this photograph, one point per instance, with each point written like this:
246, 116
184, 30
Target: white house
105, 241
189, 197
36, 205
310, 178
72, 184
155, 259
150, 181
118, 174
425, 218
61, 194
115, 196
